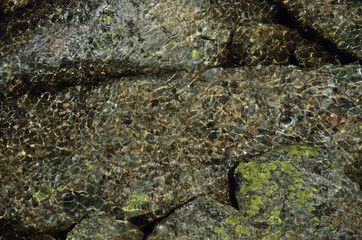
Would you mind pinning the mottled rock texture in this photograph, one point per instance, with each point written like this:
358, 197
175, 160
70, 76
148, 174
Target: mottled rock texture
298, 192
293, 192
204, 218
101, 227
336, 21
131, 108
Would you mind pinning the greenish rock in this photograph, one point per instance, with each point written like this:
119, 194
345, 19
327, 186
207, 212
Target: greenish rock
286, 188
83, 43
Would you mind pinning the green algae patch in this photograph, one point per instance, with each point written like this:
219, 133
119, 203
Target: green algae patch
239, 229
287, 167
219, 230
298, 150
275, 218
303, 197
242, 230
225, 236
330, 164
7, 70
84, 224
61, 188
73, 232
195, 54
42, 194
253, 206
311, 208
332, 33
135, 201
275, 187
105, 19
233, 220
316, 221
257, 174
174, 42
260, 182
169, 196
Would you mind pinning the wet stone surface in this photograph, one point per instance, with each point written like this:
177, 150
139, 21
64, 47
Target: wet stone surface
128, 112
288, 193
71, 42
323, 19
137, 148
103, 227
204, 218
298, 192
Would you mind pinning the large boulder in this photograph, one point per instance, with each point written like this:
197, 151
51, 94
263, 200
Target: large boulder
85, 42
74, 42
297, 192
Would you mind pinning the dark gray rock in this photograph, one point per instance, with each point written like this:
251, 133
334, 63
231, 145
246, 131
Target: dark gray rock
204, 218
101, 227
297, 192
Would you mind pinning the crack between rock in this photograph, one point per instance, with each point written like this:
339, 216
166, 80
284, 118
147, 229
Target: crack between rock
286, 18
232, 186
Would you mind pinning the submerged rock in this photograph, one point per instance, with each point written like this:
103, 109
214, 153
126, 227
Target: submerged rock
338, 22
255, 44
138, 147
131, 108
101, 227
297, 192
204, 218
70, 43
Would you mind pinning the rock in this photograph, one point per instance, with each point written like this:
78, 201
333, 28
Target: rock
266, 44
104, 227
203, 218
298, 192
65, 44
87, 42
326, 21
